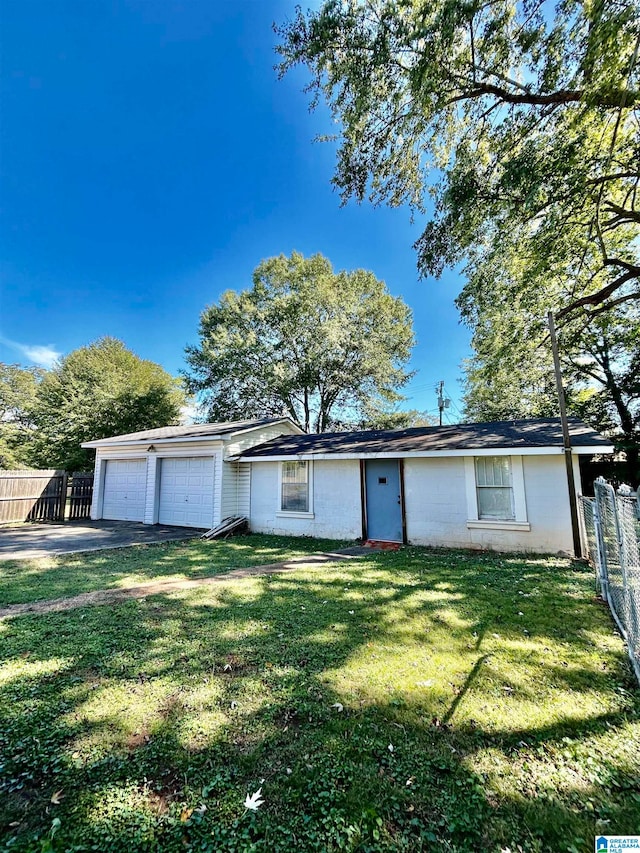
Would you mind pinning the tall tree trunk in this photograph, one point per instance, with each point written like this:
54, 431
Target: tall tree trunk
307, 416
324, 408
626, 422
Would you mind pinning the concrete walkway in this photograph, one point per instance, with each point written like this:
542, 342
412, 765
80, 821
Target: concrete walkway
113, 596
30, 541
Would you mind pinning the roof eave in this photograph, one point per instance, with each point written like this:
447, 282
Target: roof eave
547, 450
111, 442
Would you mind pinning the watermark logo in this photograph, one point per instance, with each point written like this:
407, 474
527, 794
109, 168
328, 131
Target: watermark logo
617, 844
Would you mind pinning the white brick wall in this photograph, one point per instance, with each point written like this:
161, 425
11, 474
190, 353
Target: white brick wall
435, 501
548, 501
436, 505
336, 501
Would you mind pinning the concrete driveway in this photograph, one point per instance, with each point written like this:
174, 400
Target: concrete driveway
30, 541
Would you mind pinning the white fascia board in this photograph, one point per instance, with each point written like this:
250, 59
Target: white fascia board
147, 441
139, 453
427, 454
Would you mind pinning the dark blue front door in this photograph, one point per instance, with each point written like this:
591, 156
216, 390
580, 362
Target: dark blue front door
384, 504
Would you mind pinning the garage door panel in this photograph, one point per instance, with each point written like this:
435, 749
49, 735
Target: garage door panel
186, 491
125, 483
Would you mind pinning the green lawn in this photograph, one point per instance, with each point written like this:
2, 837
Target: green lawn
57, 577
418, 700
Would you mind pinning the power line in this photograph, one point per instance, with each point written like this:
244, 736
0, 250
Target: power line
428, 386
460, 413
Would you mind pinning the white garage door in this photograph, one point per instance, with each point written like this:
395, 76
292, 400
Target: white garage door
125, 482
186, 491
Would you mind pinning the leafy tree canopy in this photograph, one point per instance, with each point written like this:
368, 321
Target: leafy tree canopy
95, 392
322, 347
516, 117
18, 387
516, 126
375, 417
511, 373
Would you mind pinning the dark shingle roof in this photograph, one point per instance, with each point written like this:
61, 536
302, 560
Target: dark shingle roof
189, 431
538, 432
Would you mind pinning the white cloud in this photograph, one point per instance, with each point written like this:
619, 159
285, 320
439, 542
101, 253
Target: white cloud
43, 356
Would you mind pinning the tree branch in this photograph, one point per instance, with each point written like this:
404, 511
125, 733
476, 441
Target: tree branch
613, 177
626, 298
599, 296
626, 265
623, 212
562, 96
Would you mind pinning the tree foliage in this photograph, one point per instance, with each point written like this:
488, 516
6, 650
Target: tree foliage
18, 388
511, 372
516, 117
95, 392
303, 341
516, 127
376, 417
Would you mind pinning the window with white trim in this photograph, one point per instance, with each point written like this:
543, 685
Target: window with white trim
294, 487
494, 488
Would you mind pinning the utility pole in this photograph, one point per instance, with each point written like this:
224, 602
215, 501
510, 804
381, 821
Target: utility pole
443, 402
566, 439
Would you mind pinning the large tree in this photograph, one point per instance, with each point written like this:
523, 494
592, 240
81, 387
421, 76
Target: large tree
321, 347
515, 127
511, 372
516, 117
98, 391
18, 388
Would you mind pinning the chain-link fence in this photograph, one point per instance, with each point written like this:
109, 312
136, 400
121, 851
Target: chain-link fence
612, 527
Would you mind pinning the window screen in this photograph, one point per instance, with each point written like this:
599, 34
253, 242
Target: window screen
494, 487
295, 487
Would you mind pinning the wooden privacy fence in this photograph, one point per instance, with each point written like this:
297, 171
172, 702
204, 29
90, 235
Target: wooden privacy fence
44, 496
80, 496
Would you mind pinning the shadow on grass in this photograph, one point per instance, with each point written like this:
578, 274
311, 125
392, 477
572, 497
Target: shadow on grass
25, 581
419, 700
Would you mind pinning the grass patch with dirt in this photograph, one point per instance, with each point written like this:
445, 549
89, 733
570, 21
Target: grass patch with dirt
418, 700
23, 581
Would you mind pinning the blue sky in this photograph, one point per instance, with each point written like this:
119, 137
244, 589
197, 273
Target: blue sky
150, 159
